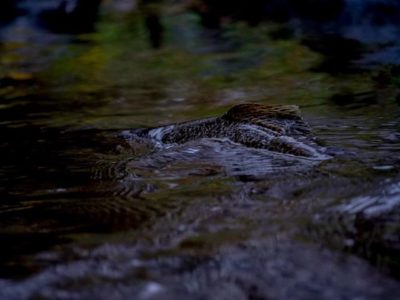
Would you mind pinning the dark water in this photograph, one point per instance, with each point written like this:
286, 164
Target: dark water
86, 213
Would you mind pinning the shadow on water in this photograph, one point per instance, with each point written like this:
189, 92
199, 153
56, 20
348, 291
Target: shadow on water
9, 11
87, 212
340, 54
78, 17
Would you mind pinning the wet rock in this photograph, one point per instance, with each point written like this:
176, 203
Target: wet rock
366, 225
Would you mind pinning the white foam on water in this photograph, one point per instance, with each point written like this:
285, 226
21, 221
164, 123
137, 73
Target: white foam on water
373, 206
158, 133
151, 289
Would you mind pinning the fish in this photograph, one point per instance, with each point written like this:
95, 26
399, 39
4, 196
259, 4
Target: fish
276, 128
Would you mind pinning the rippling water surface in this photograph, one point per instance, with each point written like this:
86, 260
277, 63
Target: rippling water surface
87, 213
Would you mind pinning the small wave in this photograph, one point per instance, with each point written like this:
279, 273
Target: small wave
234, 158
374, 205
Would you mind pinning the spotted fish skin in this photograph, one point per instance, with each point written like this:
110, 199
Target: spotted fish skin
278, 128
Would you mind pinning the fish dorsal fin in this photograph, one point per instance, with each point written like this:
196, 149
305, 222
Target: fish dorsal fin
252, 111
282, 119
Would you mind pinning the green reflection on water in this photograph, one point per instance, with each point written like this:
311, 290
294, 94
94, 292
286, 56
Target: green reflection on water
113, 78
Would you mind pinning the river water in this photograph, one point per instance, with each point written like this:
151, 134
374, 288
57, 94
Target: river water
86, 213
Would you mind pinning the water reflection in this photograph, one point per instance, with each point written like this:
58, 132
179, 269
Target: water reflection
155, 29
71, 16
374, 22
9, 11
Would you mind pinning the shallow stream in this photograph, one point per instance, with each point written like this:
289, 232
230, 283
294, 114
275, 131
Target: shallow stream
84, 214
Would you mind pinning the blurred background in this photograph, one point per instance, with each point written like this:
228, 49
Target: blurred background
75, 73
124, 55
